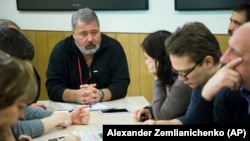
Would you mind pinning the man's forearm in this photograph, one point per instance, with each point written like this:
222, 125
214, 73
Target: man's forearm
70, 95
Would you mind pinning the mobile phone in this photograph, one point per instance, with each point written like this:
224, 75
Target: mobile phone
113, 110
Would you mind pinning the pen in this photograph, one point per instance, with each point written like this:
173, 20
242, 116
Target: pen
67, 126
57, 138
60, 137
44, 107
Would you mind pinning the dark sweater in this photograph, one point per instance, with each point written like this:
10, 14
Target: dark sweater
109, 68
228, 107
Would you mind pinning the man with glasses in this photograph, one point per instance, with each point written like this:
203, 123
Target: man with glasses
195, 56
184, 75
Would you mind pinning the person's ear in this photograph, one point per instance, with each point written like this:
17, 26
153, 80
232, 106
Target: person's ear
209, 61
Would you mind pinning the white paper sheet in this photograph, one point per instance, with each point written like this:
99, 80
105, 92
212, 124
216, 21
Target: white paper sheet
93, 107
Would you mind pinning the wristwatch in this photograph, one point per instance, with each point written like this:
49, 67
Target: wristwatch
101, 95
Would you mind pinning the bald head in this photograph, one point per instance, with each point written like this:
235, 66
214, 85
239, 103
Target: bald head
241, 37
239, 47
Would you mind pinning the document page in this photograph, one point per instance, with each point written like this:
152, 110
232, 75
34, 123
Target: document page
89, 135
93, 107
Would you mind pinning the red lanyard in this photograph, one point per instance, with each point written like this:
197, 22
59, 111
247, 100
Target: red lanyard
80, 72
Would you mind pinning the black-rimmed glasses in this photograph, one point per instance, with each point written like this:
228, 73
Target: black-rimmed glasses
189, 71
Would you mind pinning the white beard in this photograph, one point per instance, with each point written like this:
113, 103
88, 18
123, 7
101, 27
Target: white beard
84, 51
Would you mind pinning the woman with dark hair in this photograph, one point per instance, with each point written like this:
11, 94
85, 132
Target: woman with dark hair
170, 96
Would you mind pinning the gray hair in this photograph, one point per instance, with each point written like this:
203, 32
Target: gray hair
9, 23
85, 15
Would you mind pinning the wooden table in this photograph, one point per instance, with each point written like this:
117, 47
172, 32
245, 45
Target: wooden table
97, 120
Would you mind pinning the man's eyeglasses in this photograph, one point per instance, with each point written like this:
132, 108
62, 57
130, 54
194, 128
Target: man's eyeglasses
189, 71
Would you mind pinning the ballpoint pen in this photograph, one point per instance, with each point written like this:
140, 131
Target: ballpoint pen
57, 138
67, 125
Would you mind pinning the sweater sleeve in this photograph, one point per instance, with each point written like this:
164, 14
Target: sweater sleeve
36, 113
33, 128
170, 104
31, 124
119, 77
215, 111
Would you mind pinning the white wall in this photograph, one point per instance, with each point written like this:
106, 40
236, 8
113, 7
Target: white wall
161, 15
